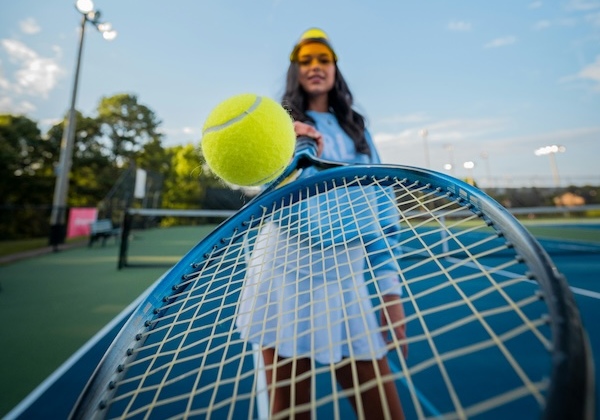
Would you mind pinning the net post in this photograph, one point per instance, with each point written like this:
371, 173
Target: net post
127, 222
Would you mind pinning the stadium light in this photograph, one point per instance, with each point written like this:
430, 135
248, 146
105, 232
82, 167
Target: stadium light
58, 216
469, 165
488, 173
551, 151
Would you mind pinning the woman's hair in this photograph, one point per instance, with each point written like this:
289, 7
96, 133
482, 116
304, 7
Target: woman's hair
295, 100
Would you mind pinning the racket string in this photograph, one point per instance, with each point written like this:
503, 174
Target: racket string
202, 310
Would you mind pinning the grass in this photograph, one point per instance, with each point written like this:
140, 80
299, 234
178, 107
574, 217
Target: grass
24, 245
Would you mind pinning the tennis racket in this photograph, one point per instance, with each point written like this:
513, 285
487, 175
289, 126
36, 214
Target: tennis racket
305, 270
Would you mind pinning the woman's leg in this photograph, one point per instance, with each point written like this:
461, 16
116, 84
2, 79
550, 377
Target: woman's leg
373, 400
283, 395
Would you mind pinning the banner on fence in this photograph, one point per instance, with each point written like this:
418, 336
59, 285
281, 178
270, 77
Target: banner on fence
79, 221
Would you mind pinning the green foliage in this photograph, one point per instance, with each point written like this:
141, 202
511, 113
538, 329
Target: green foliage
184, 186
122, 134
127, 124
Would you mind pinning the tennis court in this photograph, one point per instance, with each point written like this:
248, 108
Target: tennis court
56, 302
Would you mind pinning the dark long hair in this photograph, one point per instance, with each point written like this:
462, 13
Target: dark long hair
295, 100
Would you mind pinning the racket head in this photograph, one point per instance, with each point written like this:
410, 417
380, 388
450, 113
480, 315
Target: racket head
558, 387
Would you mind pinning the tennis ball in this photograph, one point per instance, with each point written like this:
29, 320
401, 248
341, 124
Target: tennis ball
248, 140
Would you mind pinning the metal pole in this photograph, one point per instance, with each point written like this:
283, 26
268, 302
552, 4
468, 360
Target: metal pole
59, 204
554, 169
424, 134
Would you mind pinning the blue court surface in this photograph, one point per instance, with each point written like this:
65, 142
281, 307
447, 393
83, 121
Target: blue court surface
55, 397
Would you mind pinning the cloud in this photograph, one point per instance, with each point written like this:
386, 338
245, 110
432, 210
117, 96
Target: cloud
591, 72
417, 117
9, 106
443, 131
4, 83
501, 42
36, 75
593, 18
582, 5
459, 26
535, 5
542, 24
29, 26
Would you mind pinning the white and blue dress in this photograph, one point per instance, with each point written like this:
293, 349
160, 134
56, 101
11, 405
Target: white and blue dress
306, 290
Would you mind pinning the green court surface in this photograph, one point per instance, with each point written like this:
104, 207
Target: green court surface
54, 303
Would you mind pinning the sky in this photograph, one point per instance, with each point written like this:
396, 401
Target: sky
439, 82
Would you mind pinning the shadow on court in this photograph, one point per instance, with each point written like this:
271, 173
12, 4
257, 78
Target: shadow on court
53, 304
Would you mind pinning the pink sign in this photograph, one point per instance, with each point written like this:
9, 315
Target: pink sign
79, 221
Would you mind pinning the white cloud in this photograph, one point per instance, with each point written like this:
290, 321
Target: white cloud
29, 26
535, 5
564, 22
593, 18
36, 76
406, 145
417, 117
591, 72
18, 51
501, 42
4, 83
582, 5
542, 24
10, 106
459, 26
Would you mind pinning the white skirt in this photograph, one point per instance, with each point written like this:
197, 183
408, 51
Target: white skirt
308, 302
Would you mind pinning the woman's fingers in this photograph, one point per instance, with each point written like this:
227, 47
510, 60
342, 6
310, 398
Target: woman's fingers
303, 129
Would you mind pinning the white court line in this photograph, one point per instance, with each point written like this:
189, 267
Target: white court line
509, 274
424, 401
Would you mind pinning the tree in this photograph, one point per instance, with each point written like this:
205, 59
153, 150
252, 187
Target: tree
127, 125
92, 171
183, 188
22, 153
20, 139
25, 190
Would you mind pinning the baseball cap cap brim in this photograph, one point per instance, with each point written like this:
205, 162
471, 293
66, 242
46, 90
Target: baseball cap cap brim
312, 35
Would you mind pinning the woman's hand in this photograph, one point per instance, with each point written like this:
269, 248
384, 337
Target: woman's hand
392, 315
303, 129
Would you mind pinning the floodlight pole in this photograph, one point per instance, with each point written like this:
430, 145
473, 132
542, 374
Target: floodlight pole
58, 217
551, 151
424, 133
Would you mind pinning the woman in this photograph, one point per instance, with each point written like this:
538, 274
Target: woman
299, 304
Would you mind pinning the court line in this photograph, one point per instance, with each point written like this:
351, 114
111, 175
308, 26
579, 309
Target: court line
508, 274
424, 401
585, 292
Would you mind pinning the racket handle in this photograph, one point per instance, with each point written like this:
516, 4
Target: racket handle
306, 145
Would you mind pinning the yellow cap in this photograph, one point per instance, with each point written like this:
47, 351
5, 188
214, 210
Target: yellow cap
312, 35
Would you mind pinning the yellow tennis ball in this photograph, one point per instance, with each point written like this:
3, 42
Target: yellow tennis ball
248, 140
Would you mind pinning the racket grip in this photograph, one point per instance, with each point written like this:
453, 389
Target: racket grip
306, 145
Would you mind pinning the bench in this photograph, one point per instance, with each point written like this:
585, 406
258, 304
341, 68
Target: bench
102, 229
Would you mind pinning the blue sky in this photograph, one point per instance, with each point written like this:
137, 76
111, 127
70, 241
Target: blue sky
490, 81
